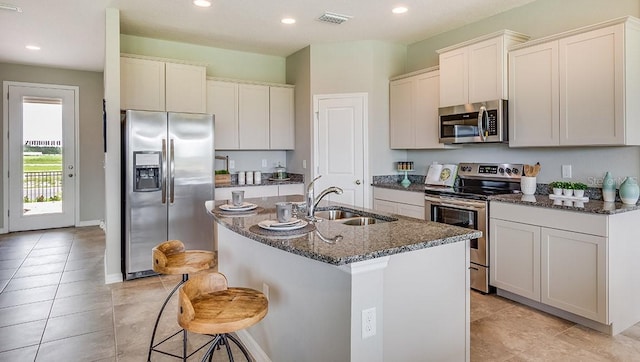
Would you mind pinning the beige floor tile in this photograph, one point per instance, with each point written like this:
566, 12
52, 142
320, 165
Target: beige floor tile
27, 271
33, 281
21, 335
141, 294
50, 251
81, 287
47, 243
45, 260
84, 263
81, 303
20, 354
14, 254
11, 263
483, 305
25, 313
72, 325
616, 348
87, 347
7, 273
95, 273
25, 296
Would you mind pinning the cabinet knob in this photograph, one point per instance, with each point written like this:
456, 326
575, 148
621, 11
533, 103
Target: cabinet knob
358, 182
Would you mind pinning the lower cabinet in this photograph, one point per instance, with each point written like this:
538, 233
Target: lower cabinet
224, 193
532, 258
405, 203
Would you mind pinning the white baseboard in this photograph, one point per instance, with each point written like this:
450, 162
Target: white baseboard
3, 231
113, 278
252, 346
81, 224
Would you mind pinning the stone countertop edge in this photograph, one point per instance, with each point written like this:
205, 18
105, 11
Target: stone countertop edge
358, 243
263, 183
544, 201
413, 187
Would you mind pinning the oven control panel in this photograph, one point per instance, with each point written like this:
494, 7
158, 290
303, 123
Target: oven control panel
490, 170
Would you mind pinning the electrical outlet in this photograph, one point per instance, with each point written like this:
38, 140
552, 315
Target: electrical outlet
566, 171
368, 322
264, 163
265, 290
232, 164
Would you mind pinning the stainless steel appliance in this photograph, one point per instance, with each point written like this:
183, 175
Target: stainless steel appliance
168, 168
466, 205
474, 123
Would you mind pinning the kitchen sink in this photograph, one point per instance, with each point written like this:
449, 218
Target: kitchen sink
335, 214
361, 220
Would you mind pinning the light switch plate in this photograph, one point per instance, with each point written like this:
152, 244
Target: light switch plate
566, 171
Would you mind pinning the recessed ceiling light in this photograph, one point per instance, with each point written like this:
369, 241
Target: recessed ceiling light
399, 10
32, 47
288, 21
202, 3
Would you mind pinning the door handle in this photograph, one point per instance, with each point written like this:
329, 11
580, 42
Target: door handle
358, 182
172, 168
164, 171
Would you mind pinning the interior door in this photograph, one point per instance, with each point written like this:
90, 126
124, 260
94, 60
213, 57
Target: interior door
41, 156
340, 146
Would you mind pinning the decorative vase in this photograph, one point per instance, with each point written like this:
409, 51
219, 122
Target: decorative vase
608, 188
629, 191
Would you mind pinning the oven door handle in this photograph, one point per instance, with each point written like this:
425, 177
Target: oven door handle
455, 203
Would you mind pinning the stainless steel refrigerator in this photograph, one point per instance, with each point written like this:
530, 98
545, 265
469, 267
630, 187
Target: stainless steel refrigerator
168, 161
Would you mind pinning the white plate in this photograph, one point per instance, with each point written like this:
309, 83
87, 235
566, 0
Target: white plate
246, 206
273, 225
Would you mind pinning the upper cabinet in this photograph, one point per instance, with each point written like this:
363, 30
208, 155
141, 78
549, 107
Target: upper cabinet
476, 70
155, 85
413, 110
577, 88
251, 116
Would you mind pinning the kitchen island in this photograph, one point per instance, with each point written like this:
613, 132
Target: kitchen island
409, 277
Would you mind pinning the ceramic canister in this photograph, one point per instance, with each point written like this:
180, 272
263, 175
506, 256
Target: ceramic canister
608, 188
629, 191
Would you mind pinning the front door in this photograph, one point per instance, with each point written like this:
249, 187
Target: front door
340, 140
41, 152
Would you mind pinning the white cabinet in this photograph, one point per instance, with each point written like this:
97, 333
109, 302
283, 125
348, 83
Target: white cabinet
153, 85
476, 70
406, 203
549, 256
413, 111
577, 88
222, 102
515, 258
281, 118
290, 189
251, 116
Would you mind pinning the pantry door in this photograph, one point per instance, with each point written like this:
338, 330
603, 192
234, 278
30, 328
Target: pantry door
340, 146
41, 155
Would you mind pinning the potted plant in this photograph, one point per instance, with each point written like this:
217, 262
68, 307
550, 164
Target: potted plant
578, 189
567, 189
557, 187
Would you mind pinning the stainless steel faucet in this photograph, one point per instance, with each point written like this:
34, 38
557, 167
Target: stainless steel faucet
312, 201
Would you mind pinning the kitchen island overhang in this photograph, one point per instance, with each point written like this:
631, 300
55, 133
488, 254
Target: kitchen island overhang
388, 291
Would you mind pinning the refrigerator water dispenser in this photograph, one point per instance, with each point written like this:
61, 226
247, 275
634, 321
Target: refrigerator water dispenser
147, 171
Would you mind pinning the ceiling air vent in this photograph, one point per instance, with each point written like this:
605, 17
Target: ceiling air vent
334, 18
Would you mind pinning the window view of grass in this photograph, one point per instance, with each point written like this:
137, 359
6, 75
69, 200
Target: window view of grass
42, 174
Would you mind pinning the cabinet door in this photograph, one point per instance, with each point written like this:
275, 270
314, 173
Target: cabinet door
290, 189
253, 116
281, 118
574, 272
222, 102
487, 71
142, 84
186, 88
591, 87
401, 109
514, 252
426, 119
385, 206
454, 75
534, 109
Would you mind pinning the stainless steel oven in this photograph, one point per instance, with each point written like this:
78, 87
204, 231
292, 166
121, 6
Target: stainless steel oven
470, 214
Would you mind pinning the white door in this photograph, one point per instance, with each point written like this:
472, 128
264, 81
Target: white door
41, 151
340, 146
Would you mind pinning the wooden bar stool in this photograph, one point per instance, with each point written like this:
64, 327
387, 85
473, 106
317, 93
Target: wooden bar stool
209, 306
171, 258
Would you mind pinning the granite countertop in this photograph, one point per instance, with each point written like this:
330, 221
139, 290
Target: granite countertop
591, 206
335, 243
414, 187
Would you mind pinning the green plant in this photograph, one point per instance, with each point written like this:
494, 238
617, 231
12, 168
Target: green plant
568, 186
557, 184
222, 172
40, 198
579, 186
55, 198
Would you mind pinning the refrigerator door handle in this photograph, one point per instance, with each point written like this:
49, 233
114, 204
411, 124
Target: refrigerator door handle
172, 167
164, 171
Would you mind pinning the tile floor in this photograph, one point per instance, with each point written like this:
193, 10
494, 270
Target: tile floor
54, 306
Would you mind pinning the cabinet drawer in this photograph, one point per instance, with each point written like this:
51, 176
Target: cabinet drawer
558, 219
405, 197
291, 189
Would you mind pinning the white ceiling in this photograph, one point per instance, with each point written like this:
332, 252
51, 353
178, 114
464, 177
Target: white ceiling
71, 32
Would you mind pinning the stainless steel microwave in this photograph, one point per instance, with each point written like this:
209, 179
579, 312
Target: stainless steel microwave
483, 122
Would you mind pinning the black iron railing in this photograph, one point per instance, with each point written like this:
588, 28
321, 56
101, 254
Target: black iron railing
42, 186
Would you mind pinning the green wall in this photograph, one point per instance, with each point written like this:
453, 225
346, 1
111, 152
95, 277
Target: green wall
221, 63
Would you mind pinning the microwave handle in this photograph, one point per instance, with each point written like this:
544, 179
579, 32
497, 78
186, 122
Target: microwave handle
482, 116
